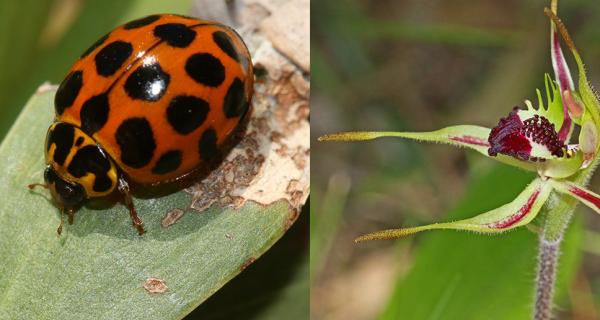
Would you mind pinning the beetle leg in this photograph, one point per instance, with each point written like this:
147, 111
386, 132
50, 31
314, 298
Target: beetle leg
70, 214
60, 226
136, 221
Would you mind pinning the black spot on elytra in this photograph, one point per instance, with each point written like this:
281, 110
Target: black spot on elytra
224, 42
168, 162
110, 58
186, 113
147, 82
62, 136
79, 141
91, 159
68, 91
94, 113
136, 139
235, 103
205, 69
141, 22
208, 145
175, 34
96, 44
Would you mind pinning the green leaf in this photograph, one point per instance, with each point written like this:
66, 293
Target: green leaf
97, 268
281, 274
466, 276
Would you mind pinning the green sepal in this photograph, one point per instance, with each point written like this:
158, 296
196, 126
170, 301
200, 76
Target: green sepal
470, 136
587, 197
517, 213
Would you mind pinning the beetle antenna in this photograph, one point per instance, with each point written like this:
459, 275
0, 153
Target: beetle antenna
33, 185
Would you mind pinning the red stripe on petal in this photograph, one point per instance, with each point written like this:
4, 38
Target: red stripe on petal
523, 211
470, 140
565, 129
561, 70
585, 196
565, 83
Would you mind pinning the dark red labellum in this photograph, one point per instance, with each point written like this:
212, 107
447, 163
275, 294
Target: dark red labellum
513, 137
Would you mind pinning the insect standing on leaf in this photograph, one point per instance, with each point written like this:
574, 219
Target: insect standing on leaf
150, 103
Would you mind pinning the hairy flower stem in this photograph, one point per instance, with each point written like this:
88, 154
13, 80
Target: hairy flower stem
546, 277
557, 220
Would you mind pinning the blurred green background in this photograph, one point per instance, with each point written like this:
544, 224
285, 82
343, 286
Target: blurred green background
40, 40
417, 66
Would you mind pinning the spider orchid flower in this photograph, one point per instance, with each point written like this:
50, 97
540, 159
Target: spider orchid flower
532, 138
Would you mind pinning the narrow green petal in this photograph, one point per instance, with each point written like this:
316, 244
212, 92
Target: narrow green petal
470, 136
465, 135
474, 137
517, 213
582, 194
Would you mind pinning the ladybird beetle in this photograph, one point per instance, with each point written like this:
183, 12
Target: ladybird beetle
149, 103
